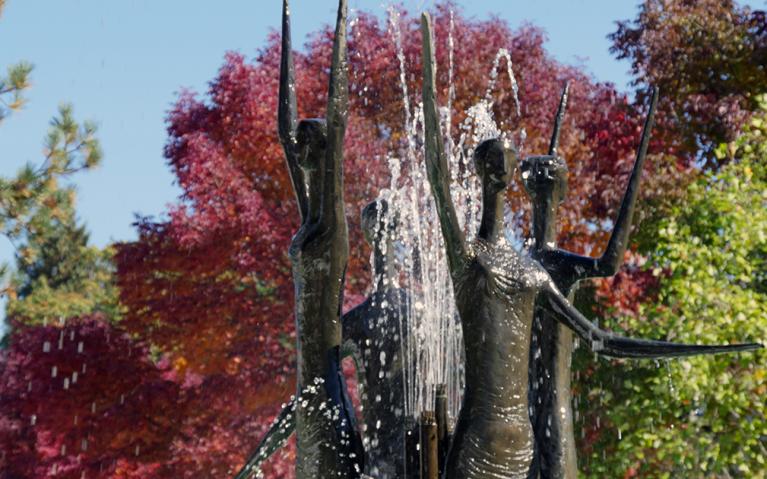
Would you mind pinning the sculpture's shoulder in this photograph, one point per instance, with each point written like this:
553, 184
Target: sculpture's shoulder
559, 264
506, 268
379, 310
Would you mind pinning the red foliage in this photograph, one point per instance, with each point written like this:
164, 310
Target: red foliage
707, 56
623, 294
84, 398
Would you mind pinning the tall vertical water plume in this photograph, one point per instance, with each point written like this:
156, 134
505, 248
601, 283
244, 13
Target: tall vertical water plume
432, 344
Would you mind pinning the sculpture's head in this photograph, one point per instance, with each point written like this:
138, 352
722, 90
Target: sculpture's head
311, 137
495, 162
545, 177
376, 220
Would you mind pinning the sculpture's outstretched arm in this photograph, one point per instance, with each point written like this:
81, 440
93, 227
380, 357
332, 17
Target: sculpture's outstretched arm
276, 437
338, 106
612, 258
610, 344
436, 160
287, 116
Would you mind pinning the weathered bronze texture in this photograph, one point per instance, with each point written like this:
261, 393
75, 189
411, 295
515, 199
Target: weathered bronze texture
328, 444
497, 291
545, 180
371, 336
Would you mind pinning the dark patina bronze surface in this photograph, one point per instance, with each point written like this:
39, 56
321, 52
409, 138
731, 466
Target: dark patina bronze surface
497, 291
372, 334
545, 180
328, 444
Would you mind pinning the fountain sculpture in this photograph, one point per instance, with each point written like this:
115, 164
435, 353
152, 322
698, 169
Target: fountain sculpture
545, 180
371, 336
514, 419
497, 291
328, 443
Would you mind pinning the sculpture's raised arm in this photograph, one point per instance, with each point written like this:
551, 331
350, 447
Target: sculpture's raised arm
287, 114
554, 144
611, 344
436, 160
338, 105
612, 258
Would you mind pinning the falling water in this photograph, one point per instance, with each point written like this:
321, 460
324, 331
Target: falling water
432, 341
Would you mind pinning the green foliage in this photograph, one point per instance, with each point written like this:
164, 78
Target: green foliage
12, 86
56, 273
69, 278
702, 416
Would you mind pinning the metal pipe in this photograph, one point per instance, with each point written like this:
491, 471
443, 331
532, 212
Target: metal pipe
440, 410
429, 446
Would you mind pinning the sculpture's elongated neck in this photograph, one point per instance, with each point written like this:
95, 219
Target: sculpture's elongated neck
491, 226
545, 223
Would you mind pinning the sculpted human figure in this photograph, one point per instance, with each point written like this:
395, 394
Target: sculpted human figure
327, 442
545, 180
496, 291
372, 334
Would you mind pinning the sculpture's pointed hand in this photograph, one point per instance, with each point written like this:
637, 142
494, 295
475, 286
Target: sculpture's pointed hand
610, 344
554, 144
287, 116
337, 111
612, 258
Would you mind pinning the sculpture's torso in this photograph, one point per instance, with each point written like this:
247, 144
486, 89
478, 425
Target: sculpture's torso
324, 425
495, 295
373, 330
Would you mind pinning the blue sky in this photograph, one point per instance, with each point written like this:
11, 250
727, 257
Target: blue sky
121, 63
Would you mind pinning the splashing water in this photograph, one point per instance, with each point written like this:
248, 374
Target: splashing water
432, 343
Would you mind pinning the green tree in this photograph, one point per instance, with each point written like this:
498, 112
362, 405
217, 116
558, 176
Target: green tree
704, 416
56, 273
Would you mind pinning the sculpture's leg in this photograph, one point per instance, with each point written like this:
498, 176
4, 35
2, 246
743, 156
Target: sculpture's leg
551, 400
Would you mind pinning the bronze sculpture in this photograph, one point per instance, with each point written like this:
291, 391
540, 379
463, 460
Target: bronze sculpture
328, 443
545, 180
496, 291
371, 336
